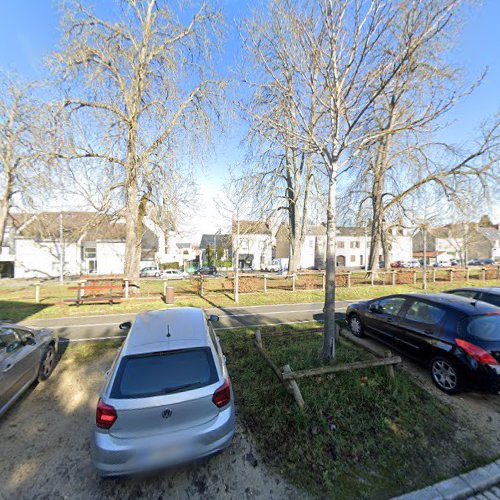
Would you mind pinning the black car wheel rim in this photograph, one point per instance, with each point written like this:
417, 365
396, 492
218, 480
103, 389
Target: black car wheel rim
355, 325
444, 374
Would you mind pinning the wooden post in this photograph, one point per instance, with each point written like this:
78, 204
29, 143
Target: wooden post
81, 292
451, 275
389, 368
294, 276
126, 289
258, 338
467, 273
324, 280
202, 291
483, 273
434, 275
265, 283
348, 279
414, 277
393, 277
165, 285
371, 277
294, 388
37, 293
498, 272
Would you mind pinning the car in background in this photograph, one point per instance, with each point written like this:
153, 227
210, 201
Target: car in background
26, 355
174, 274
411, 264
206, 271
443, 263
167, 398
274, 267
486, 294
458, 339
397, 264
474, 262
487, 262
150, 272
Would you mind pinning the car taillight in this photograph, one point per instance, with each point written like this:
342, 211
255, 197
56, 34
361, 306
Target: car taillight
222, 396
105, 415
478, 353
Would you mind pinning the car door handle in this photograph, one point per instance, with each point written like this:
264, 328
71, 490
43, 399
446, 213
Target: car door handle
427, 331
7, 368
390, 320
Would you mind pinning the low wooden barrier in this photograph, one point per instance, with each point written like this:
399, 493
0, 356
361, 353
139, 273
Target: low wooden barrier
289, 378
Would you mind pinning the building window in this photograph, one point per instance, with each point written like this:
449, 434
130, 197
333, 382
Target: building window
340, 244
354, 244
360, 260
311, 243
353, 258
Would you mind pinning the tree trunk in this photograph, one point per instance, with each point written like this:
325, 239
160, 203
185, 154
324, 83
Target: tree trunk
331, 227
385, 246
133, 242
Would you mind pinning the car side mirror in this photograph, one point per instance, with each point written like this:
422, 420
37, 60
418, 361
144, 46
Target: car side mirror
127, 325
213, 318
29, 341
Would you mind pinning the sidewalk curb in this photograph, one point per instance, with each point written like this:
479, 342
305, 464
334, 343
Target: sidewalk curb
458, 487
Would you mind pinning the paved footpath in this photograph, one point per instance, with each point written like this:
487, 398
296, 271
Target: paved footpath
482, 483
87, 328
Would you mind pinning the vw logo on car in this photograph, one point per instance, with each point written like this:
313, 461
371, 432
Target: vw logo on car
167, 413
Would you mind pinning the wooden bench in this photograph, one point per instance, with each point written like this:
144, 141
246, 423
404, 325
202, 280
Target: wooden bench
94, 293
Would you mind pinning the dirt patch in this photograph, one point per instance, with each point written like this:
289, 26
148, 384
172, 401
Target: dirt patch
45, 449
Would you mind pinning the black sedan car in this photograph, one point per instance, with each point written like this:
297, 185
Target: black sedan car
206, 271
458, 338
488, 294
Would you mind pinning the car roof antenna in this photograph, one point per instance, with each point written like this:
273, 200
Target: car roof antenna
168, 331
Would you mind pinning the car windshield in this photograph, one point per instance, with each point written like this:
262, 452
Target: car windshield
485, 327
156, 374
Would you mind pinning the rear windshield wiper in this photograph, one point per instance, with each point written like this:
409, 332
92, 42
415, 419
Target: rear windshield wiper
178, 388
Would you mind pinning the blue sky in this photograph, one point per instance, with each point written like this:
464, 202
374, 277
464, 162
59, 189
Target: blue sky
29, 32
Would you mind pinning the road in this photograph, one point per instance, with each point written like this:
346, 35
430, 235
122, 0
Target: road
88, 328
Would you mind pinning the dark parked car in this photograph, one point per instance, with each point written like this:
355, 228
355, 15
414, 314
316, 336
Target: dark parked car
458, 338
26, 355
489, 294
206, 271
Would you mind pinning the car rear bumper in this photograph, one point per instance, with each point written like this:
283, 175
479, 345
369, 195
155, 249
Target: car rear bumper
113, 456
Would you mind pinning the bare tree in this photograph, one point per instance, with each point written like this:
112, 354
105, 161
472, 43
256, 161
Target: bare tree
284, 166
143, 83
25, 140
348, 54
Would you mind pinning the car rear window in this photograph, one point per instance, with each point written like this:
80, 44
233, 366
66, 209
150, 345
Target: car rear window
160, 373
485, 327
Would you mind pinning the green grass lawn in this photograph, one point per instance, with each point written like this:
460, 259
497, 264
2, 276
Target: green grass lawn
17, 301
361, 436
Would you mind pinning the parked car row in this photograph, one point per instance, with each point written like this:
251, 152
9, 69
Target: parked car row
456, 334
171, 274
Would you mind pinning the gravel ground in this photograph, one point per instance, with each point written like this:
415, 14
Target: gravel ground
44, 443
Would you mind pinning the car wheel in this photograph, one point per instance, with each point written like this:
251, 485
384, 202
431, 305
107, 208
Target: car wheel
157, 275
445, 375
356, 326
47, 364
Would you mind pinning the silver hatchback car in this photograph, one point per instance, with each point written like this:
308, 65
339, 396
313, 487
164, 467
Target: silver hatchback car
26, 355
167, 398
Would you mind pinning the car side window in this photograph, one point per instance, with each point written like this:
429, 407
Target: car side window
465, 293
9, 340
24, 334
422, 312
391, 306
490, 298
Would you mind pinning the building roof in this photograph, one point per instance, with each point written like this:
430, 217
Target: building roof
490, 233
215, 239
88, 226
252, 227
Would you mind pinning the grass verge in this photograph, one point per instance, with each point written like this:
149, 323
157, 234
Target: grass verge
361, 435
17, 304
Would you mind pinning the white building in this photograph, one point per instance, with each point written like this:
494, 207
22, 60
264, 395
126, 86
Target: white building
353, 246
79, 242
254, 242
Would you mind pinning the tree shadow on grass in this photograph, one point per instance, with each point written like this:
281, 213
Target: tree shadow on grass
15, 311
